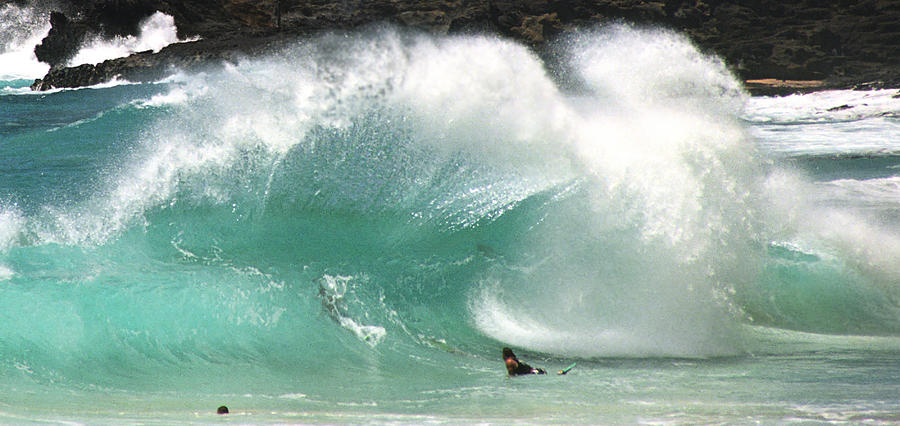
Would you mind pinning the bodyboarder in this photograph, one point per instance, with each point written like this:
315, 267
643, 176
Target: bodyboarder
514, 367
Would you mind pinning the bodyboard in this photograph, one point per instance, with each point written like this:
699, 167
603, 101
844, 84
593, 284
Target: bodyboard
566, 370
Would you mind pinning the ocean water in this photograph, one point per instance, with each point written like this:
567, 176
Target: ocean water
349, 230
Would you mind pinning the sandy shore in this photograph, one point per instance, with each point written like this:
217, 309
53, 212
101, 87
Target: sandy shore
774, 86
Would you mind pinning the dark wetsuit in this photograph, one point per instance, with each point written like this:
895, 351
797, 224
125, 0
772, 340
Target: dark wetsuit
520, 367
524, 368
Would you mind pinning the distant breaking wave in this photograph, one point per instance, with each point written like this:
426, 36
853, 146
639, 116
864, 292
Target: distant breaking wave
23, 28
155, 33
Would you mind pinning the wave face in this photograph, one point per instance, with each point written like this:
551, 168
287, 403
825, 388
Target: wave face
390, 195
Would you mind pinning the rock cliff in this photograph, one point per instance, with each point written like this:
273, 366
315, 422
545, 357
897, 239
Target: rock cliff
823, 43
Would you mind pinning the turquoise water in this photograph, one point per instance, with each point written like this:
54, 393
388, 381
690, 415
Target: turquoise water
349, 230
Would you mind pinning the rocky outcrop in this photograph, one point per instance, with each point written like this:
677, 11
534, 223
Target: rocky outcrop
839, 43
104, 18
150, 66
62, 42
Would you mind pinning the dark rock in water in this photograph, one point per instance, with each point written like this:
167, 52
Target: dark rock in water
121, 17
108, 18
149, 66
62, 42
839, 43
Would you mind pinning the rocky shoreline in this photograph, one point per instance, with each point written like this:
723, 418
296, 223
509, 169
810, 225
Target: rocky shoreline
776, 48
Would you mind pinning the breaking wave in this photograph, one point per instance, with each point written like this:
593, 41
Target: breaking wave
412, 195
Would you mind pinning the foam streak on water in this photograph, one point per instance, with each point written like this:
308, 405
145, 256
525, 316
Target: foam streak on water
828, 123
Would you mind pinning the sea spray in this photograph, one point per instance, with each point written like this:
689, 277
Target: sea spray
21, 28
829, 267
12, 224
641, 258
